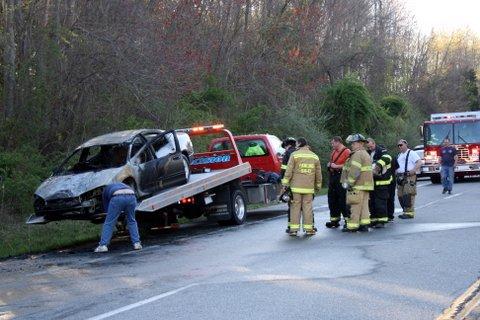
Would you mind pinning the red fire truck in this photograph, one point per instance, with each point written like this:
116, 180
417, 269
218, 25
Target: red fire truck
463, 130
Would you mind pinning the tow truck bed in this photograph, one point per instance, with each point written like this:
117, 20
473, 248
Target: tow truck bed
199, 182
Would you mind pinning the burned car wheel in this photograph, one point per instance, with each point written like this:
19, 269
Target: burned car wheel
186, 168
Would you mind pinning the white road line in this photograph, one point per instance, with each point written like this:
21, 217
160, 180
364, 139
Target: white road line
433, 202
423, 185
141, 303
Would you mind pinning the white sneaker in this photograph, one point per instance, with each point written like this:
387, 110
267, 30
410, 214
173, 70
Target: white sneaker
101, 249
137, 246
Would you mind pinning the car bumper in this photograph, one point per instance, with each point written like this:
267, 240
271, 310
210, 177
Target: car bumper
465, 170
88, 210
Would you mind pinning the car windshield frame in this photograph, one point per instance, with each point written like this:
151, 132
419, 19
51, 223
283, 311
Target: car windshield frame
85, 157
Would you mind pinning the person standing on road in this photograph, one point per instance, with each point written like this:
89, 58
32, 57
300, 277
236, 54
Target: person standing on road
382, 177
336, 193
118, 198
357, 179
303, 176
448, 161
289, 144
406, 175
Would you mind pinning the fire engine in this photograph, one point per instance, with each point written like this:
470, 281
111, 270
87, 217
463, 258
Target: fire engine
463, 130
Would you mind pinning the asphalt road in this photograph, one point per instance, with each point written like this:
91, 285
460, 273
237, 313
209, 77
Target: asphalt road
413, 269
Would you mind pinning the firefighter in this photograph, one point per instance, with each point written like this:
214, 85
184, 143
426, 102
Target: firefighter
382, 177
336, 193
289, 144
303, 175
357, 179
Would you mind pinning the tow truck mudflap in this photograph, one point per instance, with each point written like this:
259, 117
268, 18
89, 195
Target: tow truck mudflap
34, 219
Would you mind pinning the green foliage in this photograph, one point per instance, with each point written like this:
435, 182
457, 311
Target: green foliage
349, 107
22, 171
395, 106
249, 121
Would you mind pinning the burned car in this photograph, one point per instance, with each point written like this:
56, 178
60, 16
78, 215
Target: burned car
148, 160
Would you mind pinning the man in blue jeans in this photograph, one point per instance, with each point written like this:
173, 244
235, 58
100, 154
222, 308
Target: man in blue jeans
118, 197
448, 161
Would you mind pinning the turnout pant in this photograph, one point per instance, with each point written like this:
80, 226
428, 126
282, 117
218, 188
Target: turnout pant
379, 204
336, 198
391, 199
406, 195
359, 213
301, 205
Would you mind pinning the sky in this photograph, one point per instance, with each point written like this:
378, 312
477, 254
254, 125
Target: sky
445, 15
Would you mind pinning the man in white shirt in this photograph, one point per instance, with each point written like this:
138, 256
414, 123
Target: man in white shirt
408, 164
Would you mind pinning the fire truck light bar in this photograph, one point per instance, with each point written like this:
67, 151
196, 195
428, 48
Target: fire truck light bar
455, 116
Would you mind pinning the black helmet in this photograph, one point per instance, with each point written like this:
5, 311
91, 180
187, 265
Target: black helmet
289, 141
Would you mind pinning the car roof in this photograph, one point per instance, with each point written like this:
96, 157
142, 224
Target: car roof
117, 137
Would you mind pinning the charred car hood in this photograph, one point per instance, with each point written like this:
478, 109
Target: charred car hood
73, 185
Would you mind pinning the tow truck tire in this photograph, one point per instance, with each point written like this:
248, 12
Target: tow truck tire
435, 179
237, 208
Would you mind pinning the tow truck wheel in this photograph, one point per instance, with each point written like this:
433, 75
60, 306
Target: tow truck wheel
237, 208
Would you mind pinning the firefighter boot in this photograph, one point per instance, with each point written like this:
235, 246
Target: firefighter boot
292, 233
363, 228
332, 224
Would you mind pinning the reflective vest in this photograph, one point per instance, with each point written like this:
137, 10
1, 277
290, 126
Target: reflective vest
303, 173
357, 171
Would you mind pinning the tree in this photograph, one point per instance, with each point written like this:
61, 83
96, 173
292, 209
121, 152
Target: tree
471, 90
350, 107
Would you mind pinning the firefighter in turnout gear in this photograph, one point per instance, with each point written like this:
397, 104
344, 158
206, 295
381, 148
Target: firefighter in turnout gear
336, 193
289, 144
382, 177
357, 179
303, 175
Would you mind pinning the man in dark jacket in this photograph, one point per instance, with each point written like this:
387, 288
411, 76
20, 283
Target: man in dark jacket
382, 177
118, 198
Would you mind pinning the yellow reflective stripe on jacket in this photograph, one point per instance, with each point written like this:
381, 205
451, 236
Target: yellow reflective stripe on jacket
366, 187
283, 167
285, 181
383, 182
305, 156
366, 168
356, 164
381, 162
302, 190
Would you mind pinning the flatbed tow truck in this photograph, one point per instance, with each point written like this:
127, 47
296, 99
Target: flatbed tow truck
215, 188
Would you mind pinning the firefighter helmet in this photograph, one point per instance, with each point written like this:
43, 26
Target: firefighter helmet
289, 141
356, 137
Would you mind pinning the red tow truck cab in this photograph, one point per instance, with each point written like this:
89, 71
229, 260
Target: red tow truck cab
268, 157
